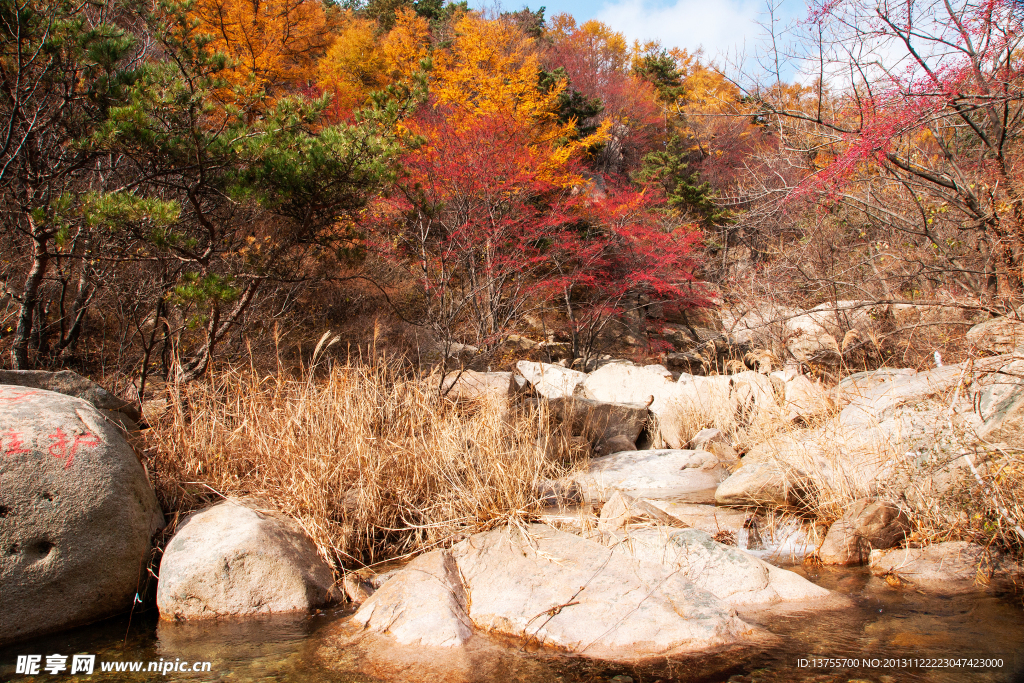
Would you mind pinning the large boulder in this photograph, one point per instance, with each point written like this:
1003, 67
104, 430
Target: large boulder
809, 336
71, 384
898, 430
756, 484
866, 525
1003, 376
560, 590
872, 405
549, 380
998, 335
239, 557
730, 403
779, 471
683, 408
737, 578
621, 383
549, 588
77, 514
760, 324
473, 385
894, 425
809, 342
1005, 419
858, 383
666, 474
920, 440
804, 399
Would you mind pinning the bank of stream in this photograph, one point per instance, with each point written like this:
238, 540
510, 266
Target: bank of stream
899, 630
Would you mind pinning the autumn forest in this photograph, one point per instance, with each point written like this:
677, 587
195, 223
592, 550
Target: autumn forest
205, 181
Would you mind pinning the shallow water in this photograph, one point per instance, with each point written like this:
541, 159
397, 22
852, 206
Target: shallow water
883, 624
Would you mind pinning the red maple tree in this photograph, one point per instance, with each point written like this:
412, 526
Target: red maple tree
494, 225
468, 218
623, 252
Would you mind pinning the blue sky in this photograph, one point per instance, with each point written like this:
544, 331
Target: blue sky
719, 26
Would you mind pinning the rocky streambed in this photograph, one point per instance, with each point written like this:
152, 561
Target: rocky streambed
879, 622
659, 560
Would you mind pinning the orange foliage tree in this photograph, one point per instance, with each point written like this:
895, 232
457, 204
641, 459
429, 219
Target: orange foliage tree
272, 45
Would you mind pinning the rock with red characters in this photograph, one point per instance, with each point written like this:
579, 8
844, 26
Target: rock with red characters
77, 514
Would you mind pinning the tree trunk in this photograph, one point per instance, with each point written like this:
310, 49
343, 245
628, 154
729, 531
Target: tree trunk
29, 298
78, 309
215, 332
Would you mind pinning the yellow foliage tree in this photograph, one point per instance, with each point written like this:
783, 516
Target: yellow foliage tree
604, 49
353, 66
706, 107
360, 62
272, 45
492, 68
406, 45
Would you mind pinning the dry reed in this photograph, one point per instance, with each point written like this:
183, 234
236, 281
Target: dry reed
952, 485
373, 463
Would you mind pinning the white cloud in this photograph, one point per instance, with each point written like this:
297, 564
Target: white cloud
719, 26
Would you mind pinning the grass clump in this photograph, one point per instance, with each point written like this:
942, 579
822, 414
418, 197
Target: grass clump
372, 461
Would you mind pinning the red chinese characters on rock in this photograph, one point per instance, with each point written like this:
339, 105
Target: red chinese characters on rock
62, 446
13, 441
16, 396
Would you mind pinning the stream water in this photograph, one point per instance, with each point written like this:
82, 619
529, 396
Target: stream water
896, 630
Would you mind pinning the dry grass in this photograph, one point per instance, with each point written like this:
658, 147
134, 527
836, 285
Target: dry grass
952, 484
372, 462
983, 503
744, 406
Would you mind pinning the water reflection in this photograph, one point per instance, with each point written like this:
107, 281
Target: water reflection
882, 623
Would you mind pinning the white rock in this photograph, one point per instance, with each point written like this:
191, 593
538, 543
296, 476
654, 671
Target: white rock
808, 342
550, 381
728, 573
805, 399
664, 474
71, 383
564, 591
473, 385
683, 408
658, 371
238, 558
1005, 422
423, 604
876, 403
77, 513
620, 383
954, 566
998, 335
